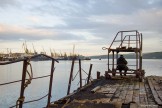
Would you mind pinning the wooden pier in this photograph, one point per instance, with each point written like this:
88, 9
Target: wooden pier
126, 92
131, 91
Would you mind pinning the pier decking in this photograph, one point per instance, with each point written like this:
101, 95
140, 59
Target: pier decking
126, 92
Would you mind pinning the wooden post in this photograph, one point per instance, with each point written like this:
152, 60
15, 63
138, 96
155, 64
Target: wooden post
80, 73
113, 61
23, 83
121, 39
89, 75
108, 61
141, 53
129, 42
114, 72
50, 84
98, 75
71, 74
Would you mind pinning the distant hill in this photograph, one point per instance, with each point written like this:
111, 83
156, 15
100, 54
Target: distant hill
152, 55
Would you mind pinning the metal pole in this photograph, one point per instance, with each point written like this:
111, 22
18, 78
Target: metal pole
80, 73
23, 83
50, 84
116, 59
89, 75
108, 61
113, 62
136, 52
121, 38
129, 42
141, 53
71, 74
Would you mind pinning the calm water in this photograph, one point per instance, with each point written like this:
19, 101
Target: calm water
38, 88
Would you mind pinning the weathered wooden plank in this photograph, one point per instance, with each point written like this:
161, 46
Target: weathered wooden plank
160, 94
148, 106
134, 105
157, 87
149, 95
117, 94
113, 90
101, 100
95, 89
129, 95
156, 97
135, 97
136, 85
155, 82
104, 89
109, 95
118, 91
142, 95
124, 93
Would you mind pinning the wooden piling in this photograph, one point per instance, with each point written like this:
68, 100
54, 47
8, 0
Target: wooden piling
98, 75
89, 75
50, 84
71, 73
23, 84
80, 73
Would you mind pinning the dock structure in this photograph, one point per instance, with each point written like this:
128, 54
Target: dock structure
126, 92
133, 90
126, 42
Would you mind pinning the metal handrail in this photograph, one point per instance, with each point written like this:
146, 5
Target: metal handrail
121, 32
24, 84
28, 58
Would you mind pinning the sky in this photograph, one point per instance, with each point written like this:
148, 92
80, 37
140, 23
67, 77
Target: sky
87, 24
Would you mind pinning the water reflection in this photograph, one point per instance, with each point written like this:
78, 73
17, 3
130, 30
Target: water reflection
38, 88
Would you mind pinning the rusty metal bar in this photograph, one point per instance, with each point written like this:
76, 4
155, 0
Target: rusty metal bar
136, 51
125, 40
50, 84
23, 83
114, 40
108, 60
113, 62
80, 73
44, 56
21, 80
26, 58
129, 42
71, 74
116, 58
30, 101
89, 75
10, 62
141, 53
121, 38
129, 31
136, 39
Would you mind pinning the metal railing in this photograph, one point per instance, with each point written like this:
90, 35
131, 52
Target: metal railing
133, 45
71, 78
25, 82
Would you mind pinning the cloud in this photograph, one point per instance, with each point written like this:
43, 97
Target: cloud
17, 33
34, 19
90, 22
8, 3
87, 8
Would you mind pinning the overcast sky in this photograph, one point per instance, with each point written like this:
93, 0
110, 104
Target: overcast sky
89, 24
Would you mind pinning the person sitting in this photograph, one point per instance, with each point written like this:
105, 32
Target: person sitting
122, 65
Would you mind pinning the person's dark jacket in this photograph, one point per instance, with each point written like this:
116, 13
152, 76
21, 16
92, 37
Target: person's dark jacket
121, 63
